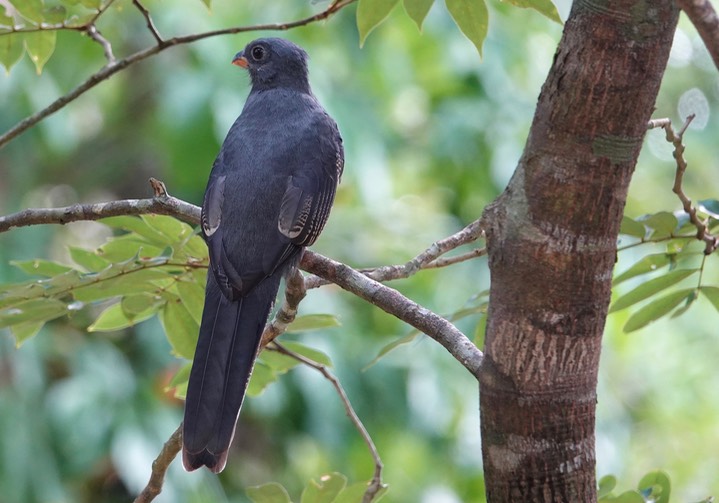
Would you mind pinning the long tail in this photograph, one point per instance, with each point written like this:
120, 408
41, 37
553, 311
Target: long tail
227, 346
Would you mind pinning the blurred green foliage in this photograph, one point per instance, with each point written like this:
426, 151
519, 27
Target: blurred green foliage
432, 135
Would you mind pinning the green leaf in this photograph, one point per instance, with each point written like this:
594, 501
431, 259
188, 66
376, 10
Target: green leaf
54, 14
135, 305
180, 328
312, 322
207, 4
91, 4
179, 381
277, 361
118, 316
472, 18
117, 282
29, 9
417, 10
711, 293
268, 493
40, 46
659, 484
89, 260
393, 345
196, 247
650, 288
26, 330
174, 230
354, 493
633, 228
41, 267
111, 319
662, 223
193, 298
648, 264
35, 310
324, 490
656, 309
690, 300
311, 353
262, 376
140, 227
606, 485
11, 50
370, 13
545, 7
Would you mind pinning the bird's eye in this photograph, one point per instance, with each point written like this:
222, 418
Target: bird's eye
258, 52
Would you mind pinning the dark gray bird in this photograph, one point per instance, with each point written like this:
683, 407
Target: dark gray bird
268, 197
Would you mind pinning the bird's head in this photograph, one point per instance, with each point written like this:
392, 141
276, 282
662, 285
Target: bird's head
274, 63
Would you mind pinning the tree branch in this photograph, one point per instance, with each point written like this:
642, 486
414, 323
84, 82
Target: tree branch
112, 68
387, 299
396, 304
295, 291
705, 20
375, 485
160, 466
163, 205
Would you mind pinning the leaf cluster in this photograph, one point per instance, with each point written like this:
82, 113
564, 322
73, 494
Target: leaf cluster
157, 267
30, 27
682, 259
471, 16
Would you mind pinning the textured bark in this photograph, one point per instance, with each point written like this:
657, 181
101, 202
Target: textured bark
552, 245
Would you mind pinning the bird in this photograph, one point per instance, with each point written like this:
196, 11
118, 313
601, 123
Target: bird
268, 197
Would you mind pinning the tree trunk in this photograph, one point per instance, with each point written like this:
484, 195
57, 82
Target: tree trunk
552, 244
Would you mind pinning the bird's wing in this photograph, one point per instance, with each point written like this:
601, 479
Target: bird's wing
308, 199
226, 276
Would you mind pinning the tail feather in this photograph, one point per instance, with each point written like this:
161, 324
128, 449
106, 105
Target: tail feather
230, 335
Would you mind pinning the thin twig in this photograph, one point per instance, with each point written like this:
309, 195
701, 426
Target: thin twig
675, 138
111, 69
95, 34
705, 20
159, 467
375, 485
456, 259
470, 233
430, 258
148, 20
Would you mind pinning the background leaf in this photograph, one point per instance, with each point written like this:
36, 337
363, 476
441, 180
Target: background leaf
268, 493
12, 48
40, 46
324, 490
545, 7
417, 10
472, 18
181, 329
649, 288
370, 13
656, 309
313, 322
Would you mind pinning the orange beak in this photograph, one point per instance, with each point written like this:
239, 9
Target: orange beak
240, 60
